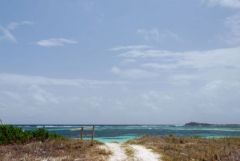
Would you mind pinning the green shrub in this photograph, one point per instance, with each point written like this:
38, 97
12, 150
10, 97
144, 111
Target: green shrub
40, 134
10, 134
55, 136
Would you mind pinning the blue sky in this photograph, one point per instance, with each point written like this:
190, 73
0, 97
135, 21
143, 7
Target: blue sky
114, 62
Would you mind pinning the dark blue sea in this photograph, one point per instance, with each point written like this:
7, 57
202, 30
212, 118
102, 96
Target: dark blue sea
121, 133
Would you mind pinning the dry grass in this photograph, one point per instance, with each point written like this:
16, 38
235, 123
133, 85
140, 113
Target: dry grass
54, 150
128, 151
192, 149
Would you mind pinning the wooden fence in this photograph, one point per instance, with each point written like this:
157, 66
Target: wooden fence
92, 134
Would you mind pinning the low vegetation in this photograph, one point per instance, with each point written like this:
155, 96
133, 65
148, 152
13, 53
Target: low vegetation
129, 151
10, 134
39, 145
174, 148
54, 150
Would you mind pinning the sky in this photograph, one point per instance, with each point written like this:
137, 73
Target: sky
119, 62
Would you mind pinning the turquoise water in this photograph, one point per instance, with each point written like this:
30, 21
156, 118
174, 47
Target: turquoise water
121, 133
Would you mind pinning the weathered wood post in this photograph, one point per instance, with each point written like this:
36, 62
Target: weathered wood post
81, 133
93, 133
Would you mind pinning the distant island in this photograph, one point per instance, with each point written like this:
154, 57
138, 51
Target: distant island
197, 124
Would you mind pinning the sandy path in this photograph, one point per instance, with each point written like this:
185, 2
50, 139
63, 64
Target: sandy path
143, 154
140, 153
118, 153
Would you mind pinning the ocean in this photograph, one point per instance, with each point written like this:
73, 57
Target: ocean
121, 133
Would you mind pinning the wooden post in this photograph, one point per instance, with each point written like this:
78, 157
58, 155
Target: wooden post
81, 133
93, 133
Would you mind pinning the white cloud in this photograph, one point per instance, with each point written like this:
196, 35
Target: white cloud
221, 58
232, 35
156, 100
185, 76
159, 66
128, 61
25, 98
183, 79
146, 53
16, 79
54, 42
7, 31
133, 73
154, 35
14, 25
42, 96
215, 87
223, 3
149, 35
7, 35
130, 47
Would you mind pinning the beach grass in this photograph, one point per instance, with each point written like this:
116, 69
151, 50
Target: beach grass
129, 151
58, 150
173, 148
38, 145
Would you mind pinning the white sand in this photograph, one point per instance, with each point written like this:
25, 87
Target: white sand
140, 153
118, 154
144, 154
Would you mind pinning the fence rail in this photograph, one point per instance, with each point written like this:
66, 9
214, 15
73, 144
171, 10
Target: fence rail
92, 133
